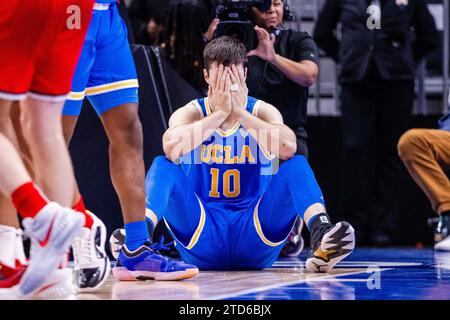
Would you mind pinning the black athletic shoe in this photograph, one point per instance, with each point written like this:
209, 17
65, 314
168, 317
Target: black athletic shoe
329, 245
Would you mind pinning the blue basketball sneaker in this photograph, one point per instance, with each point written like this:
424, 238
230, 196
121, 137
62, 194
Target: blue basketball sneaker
146, 263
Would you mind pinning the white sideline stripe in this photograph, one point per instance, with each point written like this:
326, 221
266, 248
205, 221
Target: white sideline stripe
351, 263
326, 277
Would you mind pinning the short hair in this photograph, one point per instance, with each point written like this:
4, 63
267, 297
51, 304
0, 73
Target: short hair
225, 50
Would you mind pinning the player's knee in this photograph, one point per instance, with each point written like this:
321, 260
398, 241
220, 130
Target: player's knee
129, 133
411, 143
297, 164
160, 161
161, 164
161, 168
39, 132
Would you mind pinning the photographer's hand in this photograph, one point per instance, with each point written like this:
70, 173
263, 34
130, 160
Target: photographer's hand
209, 34
265, 49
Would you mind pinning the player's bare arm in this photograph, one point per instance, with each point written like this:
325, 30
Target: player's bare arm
267, 127
186, 128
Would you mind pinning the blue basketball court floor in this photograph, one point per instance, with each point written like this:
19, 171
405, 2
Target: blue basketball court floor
368, 274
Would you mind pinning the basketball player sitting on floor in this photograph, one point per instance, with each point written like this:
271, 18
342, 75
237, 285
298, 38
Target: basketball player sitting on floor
224, 202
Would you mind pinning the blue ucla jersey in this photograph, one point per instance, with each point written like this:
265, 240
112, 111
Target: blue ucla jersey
229, 170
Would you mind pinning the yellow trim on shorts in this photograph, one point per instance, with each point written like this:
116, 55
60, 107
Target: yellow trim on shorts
76, 95
125, 84
259, 228
200, 227
197, 232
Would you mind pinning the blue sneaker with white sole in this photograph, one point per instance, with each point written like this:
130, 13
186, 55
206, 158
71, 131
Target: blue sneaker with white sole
146, 263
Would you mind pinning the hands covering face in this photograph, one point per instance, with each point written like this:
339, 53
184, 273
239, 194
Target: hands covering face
239, 94
227, 88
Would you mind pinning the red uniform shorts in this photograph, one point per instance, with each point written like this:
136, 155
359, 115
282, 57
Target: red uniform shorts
40, 43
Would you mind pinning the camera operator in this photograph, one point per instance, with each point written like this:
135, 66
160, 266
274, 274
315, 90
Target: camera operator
282, 67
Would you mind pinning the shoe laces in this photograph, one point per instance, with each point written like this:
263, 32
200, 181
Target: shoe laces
82, 247
159, 246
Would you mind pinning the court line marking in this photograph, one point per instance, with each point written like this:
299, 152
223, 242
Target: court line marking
286, 284
352, 264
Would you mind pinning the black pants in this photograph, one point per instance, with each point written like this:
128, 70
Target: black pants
374, 116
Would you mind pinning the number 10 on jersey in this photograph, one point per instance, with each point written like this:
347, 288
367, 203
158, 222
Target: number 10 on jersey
230, 181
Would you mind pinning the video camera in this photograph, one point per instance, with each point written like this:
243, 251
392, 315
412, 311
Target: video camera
235, 21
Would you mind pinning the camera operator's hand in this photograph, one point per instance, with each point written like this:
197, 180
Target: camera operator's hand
265, 49
238, 97
209, 34
219, 90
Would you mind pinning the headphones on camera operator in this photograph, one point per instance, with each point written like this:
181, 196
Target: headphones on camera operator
288, 15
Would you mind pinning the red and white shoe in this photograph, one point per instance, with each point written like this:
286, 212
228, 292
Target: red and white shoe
59, 285
10, 277
51, 231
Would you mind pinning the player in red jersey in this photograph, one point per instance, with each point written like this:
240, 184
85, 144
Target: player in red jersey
40, 42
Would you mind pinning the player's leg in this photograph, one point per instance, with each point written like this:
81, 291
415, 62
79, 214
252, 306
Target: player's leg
168, 196
124, 131
23, 48
294, 191
44, 259
92, 265
69, 123
112, 90
8, 214
55, 64
12, 255
426, 153
41, 123
52, 227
